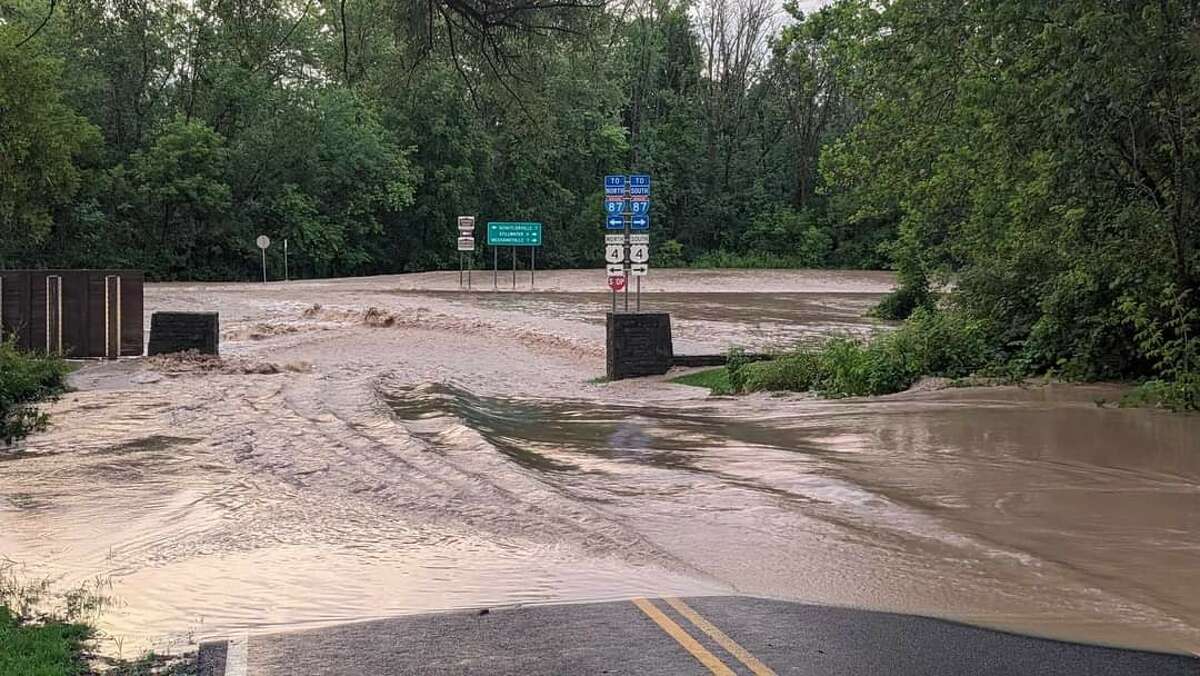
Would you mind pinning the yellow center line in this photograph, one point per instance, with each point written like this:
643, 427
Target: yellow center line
683, 638
743, 655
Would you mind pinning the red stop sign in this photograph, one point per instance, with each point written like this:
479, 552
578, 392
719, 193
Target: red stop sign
616, 283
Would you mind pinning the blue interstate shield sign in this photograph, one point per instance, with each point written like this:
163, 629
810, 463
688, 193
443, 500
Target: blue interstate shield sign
614, 205
640, 207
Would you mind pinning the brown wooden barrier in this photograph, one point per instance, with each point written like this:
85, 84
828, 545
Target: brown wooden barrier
76, 313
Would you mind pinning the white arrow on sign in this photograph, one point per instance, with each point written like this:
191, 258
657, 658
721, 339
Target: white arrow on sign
639, 253
617, 270
614, 253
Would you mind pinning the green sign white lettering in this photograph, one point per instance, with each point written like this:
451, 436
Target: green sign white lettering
514, 234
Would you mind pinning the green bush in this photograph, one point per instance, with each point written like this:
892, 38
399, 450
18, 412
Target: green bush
1177, 395
902, 302
796, 372
24, 381
936, 343
735, 361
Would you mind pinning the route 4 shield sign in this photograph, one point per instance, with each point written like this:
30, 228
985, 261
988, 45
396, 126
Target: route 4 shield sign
639, 253
614, 253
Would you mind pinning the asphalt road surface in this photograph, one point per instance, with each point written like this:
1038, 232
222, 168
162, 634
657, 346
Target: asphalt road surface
719, 635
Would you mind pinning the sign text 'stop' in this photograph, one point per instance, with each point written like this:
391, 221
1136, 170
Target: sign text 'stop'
514, 234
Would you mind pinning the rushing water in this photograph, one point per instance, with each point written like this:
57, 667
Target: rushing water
458, 454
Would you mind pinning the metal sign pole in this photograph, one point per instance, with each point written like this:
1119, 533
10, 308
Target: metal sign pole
495, 268
639, 294
460, 269
532, 265
628, 270
264, 261
469, 270
285, 261
514, 252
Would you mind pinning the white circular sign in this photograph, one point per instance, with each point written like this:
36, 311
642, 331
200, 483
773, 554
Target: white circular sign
263, 241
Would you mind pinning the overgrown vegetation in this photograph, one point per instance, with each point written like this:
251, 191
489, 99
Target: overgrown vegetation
930, 343
167, 135
26, 380
1040, 160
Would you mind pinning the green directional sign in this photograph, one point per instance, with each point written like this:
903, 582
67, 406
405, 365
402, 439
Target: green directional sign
514, 234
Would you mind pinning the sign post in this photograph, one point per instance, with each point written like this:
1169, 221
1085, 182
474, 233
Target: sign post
513, 234
627, 209
466, 243
263, 242
285, 261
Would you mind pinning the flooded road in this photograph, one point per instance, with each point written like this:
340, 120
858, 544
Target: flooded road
388, 445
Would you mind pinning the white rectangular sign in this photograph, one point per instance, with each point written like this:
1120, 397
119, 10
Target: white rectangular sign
639, 269
466, 243
614, 239
466, 224
617, 270
639, 238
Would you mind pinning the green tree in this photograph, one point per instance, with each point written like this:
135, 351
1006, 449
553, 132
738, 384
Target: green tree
41, 141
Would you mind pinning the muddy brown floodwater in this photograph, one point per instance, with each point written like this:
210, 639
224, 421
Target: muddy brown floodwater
449, 450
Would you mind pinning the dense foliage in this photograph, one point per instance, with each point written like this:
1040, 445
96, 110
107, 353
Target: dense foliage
1042, 158
26, 380
167, 135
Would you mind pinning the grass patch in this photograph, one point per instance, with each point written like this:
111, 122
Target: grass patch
41, 648
716, 380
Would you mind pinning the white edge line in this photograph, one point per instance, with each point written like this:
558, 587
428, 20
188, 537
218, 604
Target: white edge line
236, 654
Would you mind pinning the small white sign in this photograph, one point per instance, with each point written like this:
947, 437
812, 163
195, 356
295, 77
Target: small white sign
639, 238
614, 253
617, 270
639, 253
614, 239
639, 269
466, 243
263, 241
466, 224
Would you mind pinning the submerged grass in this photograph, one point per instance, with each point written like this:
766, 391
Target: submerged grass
44, 632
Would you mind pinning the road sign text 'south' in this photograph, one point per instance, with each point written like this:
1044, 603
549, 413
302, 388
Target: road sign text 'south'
514, 234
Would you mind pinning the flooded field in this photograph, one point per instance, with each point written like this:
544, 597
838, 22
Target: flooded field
391, 445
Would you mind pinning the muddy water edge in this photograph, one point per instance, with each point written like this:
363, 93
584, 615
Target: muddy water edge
450, 450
